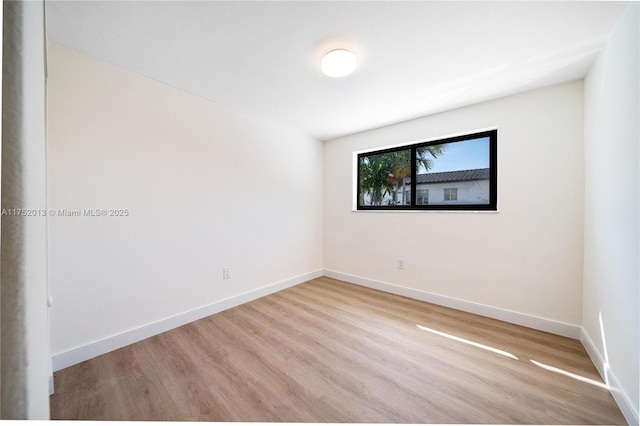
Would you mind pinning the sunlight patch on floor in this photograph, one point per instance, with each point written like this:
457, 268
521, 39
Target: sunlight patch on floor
468, 342
572, 375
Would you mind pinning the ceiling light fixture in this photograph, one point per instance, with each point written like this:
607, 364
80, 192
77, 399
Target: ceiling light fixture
338, 63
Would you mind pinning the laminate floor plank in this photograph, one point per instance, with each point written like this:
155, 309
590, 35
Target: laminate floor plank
329, 351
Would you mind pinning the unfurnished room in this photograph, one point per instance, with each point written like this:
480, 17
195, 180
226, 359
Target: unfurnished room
419, 212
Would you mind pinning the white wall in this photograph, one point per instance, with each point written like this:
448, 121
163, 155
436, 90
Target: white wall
206, 188
612, 222
527, 258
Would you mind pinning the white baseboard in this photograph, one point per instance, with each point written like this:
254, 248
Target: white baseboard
621, 398
543, 324
82, 353
51, 387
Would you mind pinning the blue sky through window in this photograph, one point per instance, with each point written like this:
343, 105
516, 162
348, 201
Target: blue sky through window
464, 155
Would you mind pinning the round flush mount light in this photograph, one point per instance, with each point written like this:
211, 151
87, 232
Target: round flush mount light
338, 63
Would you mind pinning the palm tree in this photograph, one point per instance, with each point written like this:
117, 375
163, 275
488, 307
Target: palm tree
374, 178
383, 174
424, 153
401, 169
401, 165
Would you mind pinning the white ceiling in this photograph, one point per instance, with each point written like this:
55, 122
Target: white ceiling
415, 58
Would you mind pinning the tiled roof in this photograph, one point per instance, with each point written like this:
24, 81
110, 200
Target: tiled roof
454, 176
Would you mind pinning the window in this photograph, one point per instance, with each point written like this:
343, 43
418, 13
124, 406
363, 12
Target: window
457, 173
407, 196
422, 197
450, 194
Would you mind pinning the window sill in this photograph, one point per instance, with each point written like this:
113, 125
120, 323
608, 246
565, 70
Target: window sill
428, 211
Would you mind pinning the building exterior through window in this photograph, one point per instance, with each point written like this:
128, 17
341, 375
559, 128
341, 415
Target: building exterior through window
456, 187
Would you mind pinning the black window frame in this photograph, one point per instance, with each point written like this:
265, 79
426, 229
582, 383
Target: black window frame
493, 175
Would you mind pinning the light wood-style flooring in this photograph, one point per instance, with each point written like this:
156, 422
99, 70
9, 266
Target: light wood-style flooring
328, 351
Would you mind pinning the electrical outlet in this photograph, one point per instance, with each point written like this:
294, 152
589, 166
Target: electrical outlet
226, 273
400, 263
